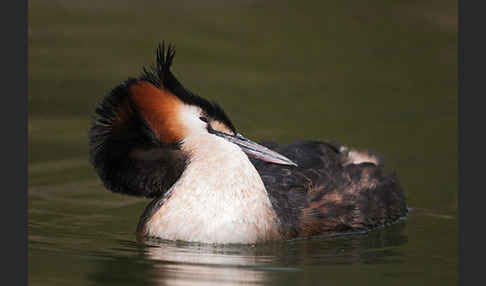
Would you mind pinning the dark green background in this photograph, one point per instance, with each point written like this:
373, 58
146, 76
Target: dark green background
379, 75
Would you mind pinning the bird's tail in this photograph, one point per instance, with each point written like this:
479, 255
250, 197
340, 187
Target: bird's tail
355, 156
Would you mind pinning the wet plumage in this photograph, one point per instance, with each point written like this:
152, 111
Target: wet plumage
152, 137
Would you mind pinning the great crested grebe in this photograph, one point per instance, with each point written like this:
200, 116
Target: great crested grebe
152, 137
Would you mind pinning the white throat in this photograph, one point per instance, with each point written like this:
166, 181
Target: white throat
220, 198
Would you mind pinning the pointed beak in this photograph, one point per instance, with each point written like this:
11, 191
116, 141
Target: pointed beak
254, 149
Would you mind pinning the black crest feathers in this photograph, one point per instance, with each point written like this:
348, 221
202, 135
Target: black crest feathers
161, 76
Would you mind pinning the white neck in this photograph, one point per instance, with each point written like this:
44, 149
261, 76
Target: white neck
220, 198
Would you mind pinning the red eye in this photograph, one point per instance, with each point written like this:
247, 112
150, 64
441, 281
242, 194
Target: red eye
204, 119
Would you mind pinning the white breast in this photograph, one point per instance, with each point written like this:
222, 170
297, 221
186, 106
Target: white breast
220, 198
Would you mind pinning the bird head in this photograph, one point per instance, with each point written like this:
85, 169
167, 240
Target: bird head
149, 118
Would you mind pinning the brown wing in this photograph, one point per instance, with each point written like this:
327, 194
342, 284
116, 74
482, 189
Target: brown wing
328, 194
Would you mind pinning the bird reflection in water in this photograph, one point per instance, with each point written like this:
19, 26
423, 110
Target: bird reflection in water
204, 264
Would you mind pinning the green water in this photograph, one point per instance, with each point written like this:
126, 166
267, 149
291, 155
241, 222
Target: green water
373, 74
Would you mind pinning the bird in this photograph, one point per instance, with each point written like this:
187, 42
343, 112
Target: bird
151, 137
